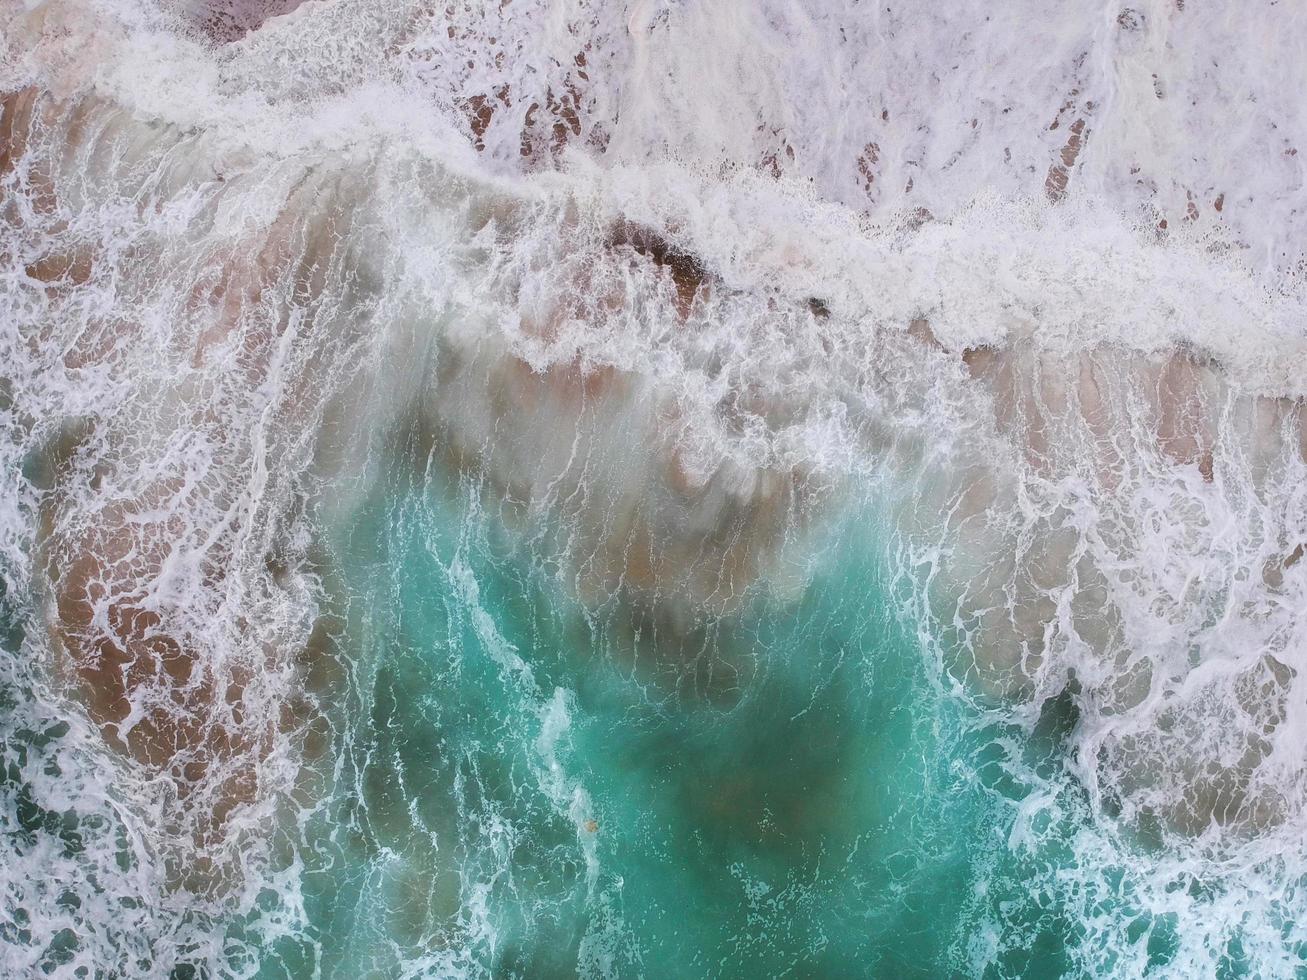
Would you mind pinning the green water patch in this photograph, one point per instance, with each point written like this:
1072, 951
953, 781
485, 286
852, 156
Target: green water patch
527, 788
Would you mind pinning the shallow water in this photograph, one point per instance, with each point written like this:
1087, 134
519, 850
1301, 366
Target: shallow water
785, 789
651, 489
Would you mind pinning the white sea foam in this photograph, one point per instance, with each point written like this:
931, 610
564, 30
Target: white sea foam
686, 277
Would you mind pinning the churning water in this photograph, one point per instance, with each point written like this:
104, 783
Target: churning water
657, 488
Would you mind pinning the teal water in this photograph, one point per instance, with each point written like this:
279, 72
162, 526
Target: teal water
509, 783
539, 789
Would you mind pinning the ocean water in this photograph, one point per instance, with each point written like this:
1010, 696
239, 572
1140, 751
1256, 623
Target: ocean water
654, 488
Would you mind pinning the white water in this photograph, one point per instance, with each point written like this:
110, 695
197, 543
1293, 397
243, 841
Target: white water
229, 266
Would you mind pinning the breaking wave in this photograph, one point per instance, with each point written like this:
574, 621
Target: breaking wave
651, 488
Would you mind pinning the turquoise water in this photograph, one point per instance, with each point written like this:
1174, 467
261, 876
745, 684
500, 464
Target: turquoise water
509, 783
539, 789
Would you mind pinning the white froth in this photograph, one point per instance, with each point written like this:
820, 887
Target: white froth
1028, 284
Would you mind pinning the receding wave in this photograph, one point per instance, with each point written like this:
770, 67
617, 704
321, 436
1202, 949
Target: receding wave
663, 488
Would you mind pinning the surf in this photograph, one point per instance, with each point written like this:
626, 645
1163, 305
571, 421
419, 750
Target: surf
399, 404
